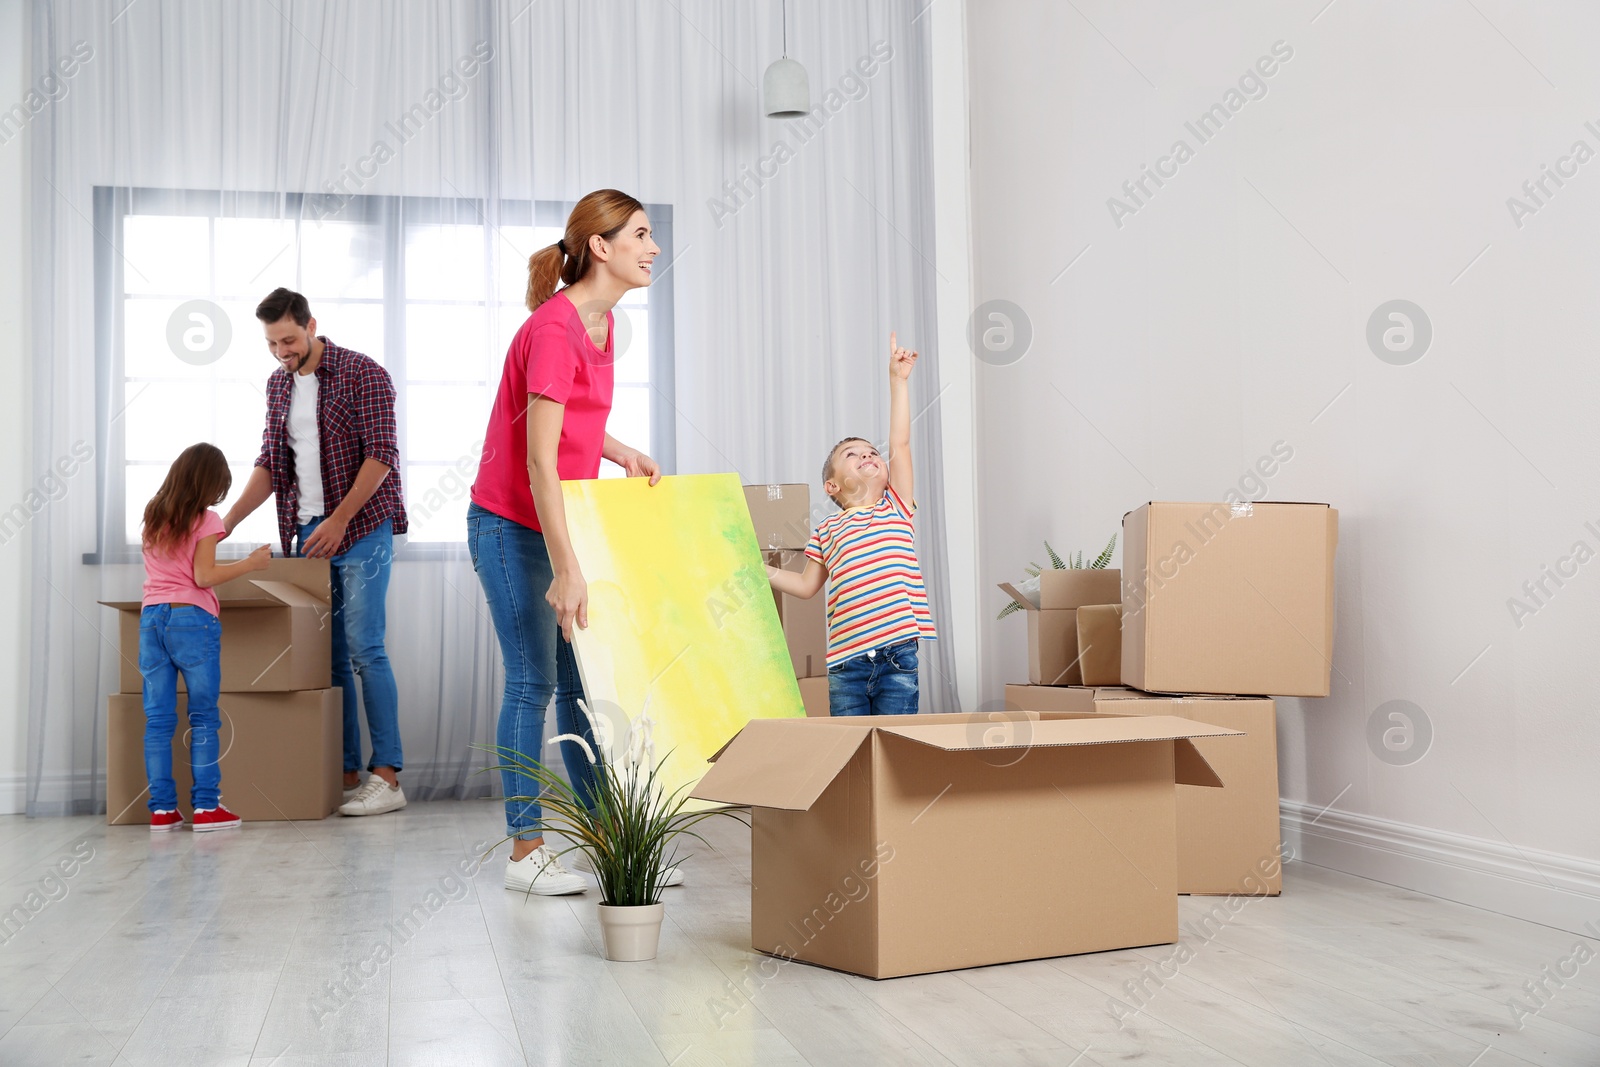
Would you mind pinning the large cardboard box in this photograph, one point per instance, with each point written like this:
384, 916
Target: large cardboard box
282, 756
814, 695
1228, 838
1053, 621
1229, 599
855, 820
276, 634
781, 515
805, 622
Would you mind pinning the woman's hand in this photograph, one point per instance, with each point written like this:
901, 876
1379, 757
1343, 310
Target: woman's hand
639, 465
569, 596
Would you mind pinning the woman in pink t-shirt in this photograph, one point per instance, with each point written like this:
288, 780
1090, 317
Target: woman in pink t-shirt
179, 632
548, 424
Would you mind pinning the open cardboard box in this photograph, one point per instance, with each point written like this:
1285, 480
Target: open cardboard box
814, 695
282, 756
275, 630
1053, 621
1228, 839
856, 821
1229, 599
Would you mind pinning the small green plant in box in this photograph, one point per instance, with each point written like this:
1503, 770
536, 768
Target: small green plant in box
1030, 585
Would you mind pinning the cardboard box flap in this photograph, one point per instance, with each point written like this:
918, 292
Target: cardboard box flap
1019, 596
1096, 730
282, 593
1191, 768
780, 763
123, 605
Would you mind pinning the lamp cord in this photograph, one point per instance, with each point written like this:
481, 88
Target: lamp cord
785, 29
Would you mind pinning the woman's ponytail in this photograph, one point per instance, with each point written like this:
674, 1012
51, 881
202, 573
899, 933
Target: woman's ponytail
604, 212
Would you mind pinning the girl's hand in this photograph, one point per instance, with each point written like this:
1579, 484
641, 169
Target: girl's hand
260, 558
901, 360
569, 596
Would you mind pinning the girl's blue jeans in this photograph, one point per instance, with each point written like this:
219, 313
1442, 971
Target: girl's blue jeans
174, 639
514, 568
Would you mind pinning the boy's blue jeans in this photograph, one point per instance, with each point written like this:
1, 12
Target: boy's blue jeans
514, 568
183, 638
359, 581
882, 681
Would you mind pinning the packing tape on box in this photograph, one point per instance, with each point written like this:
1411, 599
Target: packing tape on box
774, 492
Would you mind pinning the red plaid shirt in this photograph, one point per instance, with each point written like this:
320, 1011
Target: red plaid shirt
355, 422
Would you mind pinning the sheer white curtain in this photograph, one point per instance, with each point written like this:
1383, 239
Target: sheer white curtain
397, 163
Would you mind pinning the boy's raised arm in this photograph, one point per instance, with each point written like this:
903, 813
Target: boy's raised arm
901, 360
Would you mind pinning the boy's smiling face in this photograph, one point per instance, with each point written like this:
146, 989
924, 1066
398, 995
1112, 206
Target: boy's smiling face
859, 474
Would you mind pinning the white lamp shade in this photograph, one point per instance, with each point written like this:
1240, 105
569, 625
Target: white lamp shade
786, 89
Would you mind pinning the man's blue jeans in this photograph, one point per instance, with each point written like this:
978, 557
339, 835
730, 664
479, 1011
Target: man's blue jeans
184, 638
880, 682
513, 565
360, 586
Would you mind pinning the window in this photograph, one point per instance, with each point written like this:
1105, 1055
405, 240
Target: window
430, 288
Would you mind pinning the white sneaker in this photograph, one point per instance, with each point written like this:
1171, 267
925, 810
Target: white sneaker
673, 875
352, 790
375, 797
542, 873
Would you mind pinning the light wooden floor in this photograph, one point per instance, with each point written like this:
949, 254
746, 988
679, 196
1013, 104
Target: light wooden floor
207, 949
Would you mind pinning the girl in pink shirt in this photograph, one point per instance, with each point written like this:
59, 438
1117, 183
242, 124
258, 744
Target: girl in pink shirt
179, 632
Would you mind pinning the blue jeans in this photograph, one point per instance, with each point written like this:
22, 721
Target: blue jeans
359, 580
176, 638
513, 565
882, 681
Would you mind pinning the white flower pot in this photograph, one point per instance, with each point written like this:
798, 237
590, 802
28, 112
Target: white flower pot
631, 934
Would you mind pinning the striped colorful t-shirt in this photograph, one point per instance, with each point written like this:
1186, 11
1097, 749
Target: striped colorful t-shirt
875, 591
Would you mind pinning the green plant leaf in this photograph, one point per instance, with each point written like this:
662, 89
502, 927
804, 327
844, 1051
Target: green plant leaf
1011, 606
1103, 560
1055, 560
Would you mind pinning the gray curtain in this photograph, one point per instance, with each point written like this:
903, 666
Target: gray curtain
797, 246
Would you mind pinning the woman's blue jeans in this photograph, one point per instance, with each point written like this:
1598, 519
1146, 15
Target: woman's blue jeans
514, 568
186, 639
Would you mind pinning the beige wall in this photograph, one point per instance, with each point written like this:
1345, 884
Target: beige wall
1228, 312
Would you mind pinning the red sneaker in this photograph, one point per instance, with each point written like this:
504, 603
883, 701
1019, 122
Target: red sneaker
162, 821
217, 818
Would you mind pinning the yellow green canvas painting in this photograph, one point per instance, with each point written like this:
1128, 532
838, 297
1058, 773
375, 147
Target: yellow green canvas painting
683, 645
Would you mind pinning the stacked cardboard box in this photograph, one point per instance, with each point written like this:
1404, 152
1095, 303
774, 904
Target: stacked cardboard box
782, 518
1222, 607
282, 724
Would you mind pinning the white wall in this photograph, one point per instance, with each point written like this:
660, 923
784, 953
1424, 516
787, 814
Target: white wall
14, 407
1229, 311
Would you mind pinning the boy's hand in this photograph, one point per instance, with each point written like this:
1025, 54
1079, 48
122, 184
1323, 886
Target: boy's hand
901, 360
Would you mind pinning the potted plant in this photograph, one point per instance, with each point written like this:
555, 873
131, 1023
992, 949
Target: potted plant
629, 835
1030, 585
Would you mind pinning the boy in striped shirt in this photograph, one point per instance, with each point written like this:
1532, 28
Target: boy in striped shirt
877, 605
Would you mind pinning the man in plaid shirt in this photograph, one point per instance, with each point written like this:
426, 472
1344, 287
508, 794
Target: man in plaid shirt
330, 455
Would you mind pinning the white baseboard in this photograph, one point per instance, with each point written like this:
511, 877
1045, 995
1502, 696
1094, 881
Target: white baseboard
1542, 887
13, 794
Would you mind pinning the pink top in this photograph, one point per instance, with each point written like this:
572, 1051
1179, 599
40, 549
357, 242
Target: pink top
169, 578
551, 356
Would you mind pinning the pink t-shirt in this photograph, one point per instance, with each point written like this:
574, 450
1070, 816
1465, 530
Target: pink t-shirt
169, 577
553, 357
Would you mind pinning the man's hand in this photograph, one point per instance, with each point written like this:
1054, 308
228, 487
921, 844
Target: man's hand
901, 360
324, 540
639, 465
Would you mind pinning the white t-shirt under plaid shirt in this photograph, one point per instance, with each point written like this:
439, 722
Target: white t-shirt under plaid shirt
875, 591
